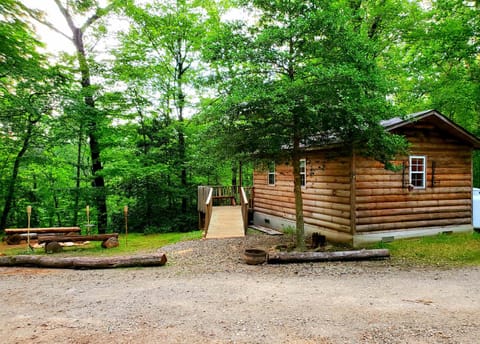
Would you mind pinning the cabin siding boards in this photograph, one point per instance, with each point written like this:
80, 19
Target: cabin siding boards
328, 183
382, 202
326, 195
355, 196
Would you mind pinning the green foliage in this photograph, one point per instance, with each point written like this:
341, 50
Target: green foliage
17, 42
306, 74
281, 87
157, 163
29, 88
289, 230
442, 58
295, 73
437, 64
448, 250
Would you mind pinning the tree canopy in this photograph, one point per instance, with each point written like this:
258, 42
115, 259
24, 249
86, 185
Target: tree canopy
304, 73
162, 96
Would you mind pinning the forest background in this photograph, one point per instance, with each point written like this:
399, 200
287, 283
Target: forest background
139, 113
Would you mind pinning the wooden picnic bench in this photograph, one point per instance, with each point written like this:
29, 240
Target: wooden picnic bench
15, 235
48, 239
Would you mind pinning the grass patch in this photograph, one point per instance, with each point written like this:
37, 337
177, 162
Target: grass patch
450, 250
136, 243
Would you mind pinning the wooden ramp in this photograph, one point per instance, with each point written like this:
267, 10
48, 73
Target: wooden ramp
226, 222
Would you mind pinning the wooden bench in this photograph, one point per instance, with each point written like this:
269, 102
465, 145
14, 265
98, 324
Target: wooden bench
48, 239
15, 235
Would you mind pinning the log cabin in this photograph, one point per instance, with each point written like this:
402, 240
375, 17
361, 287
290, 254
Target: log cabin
354, 199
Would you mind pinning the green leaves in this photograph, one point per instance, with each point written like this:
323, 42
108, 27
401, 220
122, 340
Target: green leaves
290, 72
302, 73
440, 62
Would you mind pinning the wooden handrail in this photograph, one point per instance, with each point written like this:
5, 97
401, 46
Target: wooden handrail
244, 204
202, 196
244, 195
209, 197
231, 195
208, 211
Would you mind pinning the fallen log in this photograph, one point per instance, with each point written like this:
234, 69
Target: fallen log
16, 235
304, 257
156, 259
73, 238
42, 230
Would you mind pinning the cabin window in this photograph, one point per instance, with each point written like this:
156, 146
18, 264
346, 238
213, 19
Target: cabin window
303, 172
418, 171
271, 173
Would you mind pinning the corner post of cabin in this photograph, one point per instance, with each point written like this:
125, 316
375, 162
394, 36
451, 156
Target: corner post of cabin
471, 187
353, 193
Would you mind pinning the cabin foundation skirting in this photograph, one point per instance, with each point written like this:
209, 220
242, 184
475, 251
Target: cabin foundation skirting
358, 240
368, 238
281, 224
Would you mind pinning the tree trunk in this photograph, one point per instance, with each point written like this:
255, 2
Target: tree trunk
182, 145
305, 257
13, 180
240, 174
157, 259
92, 132
92, 121
234, 174
148, 209
297, 189
180, 105
183, 172
57, 209
77, 177
297, 184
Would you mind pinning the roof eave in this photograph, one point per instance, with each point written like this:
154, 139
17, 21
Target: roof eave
447, 123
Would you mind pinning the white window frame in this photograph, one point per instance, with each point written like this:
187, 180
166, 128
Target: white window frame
271, 173
303, 174
424, 172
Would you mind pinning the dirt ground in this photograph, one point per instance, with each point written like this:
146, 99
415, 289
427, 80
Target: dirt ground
206, 294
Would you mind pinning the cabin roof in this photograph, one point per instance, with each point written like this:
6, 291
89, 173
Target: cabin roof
442, 122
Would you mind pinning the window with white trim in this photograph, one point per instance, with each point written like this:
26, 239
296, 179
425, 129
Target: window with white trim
418, 171
303, 172
271, 173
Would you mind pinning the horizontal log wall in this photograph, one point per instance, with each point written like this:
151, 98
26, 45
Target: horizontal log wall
383, 203
381, 200
326, 196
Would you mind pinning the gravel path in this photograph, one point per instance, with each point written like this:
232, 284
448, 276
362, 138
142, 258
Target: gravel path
206, 294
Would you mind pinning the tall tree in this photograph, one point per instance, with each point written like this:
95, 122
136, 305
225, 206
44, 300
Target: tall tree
303, 74
25, 94
440, 60
163, 43
92, 115
438, 64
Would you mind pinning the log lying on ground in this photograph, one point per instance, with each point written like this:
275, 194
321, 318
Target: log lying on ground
73, 238
156, 259
42, 230
304, 257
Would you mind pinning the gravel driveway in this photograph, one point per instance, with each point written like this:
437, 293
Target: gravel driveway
206, 294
